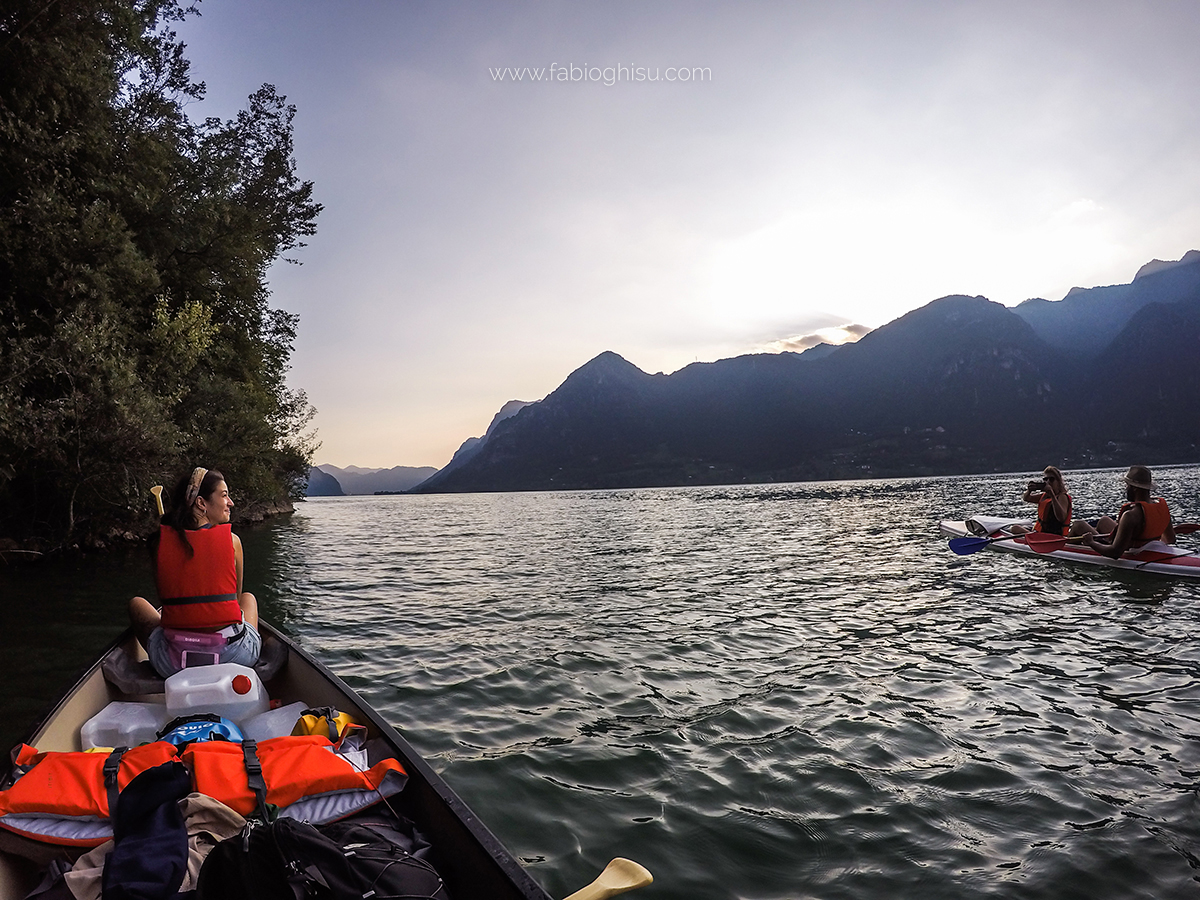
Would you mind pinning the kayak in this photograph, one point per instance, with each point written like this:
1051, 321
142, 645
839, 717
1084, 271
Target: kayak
471, 861
1155, 556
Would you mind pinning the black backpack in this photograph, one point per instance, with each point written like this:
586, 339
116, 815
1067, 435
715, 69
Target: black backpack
292, 860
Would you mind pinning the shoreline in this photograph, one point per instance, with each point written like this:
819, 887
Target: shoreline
33, 550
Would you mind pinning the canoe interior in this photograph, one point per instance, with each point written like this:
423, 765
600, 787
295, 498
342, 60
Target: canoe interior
472, 862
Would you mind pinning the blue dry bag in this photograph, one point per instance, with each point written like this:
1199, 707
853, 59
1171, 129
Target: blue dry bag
201, 727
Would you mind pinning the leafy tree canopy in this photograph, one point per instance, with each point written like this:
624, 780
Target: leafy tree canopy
136, 336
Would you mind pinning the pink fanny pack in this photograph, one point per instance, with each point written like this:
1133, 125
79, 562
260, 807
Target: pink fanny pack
194, 648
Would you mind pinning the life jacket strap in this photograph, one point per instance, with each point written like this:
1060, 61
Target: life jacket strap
112, 766
208, 598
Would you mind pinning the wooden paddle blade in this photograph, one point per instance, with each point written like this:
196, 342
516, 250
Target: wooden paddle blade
1187, 527
619, 876
966, 545
1045, 543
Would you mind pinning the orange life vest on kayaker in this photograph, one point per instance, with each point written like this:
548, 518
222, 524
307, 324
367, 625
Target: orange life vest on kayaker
198, 592
1047, 519
1156, 517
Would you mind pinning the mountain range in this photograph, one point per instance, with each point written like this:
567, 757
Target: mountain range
1105, 376
330, 481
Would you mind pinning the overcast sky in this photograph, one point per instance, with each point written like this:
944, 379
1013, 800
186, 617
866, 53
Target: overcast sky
820, 165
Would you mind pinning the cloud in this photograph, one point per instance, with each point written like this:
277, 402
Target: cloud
842, 334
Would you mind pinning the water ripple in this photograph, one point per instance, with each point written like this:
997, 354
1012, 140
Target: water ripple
770, 691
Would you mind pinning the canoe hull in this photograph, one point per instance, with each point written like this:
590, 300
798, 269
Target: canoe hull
471, 860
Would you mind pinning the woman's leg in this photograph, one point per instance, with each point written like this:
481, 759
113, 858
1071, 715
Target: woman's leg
249, 607
144, 618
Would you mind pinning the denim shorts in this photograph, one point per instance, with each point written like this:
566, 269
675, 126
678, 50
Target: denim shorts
242, 650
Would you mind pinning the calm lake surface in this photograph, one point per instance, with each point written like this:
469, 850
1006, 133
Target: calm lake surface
769, 691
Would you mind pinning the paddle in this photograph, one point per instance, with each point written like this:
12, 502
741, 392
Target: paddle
1048, 543
619, 876
157, 492
970, 544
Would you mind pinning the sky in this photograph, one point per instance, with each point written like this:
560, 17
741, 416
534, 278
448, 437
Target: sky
688, 181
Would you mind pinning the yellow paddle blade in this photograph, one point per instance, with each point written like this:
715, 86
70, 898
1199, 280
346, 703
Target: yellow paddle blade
619, 876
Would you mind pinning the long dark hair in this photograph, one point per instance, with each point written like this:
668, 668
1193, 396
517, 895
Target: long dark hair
179, 513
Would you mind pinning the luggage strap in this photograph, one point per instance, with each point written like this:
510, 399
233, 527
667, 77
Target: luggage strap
112, 766
254, 776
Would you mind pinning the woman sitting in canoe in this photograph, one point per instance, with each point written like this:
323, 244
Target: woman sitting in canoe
1054, 503
206, 616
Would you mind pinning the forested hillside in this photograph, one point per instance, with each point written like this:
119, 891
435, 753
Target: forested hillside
136, 334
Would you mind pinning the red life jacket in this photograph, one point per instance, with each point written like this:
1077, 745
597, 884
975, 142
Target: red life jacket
198, 592
304, 777
1047, 518
1155, 515
65, 798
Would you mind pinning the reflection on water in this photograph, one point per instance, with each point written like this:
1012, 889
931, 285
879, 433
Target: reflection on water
759, 691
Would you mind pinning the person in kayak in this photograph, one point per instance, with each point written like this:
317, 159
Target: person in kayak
206, 615
1141, 519
1054, 503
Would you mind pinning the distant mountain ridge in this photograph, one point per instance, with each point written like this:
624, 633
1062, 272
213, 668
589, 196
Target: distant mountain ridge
1158, 265
322, 484
358, 480
1105, 376
1088, 319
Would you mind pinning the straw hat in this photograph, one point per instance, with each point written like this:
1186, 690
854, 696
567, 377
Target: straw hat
1139, 477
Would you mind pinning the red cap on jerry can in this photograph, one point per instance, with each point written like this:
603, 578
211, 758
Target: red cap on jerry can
242, 684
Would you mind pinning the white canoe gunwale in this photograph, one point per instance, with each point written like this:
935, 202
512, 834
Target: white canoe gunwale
1155, 558
471, 860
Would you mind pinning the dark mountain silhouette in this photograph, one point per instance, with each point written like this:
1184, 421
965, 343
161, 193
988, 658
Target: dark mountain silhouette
818, 351
471, 446
1147, 382
322, 484
1160, 265
955, 360
1086, 321
960, 385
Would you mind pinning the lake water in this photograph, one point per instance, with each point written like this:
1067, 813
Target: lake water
771, 691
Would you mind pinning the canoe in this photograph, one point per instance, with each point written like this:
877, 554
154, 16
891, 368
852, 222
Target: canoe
1154, 557
471, 861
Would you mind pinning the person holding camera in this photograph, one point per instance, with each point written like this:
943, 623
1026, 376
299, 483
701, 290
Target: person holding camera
1054, 503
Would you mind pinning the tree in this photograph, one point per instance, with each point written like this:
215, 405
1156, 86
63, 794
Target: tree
136, 335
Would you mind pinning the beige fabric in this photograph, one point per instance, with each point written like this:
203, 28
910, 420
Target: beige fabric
208, 823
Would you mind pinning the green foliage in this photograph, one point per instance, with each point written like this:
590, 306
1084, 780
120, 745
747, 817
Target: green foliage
136, 336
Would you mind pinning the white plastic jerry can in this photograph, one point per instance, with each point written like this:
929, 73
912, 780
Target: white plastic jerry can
273, 723
123, 724
229, 690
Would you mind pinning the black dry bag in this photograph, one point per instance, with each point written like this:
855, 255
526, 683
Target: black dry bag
292, 860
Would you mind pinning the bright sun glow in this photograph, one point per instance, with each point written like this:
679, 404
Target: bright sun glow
813, 268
